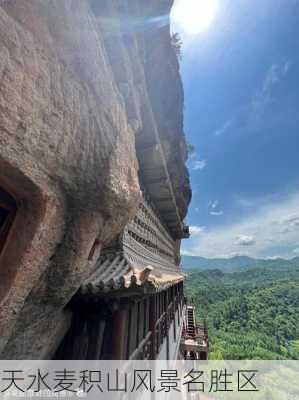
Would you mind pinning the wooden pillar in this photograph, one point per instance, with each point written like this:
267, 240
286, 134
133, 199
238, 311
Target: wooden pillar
174, 319
120, 318
152, 325
96, 337
168, 321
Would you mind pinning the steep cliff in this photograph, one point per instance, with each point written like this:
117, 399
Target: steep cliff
83, 86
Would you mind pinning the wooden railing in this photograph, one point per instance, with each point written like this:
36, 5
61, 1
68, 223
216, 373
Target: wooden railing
143, 352
161, 332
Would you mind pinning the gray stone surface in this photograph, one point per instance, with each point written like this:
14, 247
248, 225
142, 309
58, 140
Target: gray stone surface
78, 90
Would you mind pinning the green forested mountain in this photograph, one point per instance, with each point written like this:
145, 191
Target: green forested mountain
235, 263
251, 314
189, 262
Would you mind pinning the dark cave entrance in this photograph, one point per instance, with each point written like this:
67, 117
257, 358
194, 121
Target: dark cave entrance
7, 213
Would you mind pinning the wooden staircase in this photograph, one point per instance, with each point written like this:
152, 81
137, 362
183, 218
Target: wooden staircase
190, 322
194, 341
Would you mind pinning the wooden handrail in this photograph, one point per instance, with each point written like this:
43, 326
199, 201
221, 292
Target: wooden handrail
141, 346
160, 319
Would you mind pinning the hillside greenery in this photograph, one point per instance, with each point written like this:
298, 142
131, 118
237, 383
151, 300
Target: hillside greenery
236, 263
251, 313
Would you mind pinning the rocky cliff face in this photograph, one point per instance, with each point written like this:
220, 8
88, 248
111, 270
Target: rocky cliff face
83, 84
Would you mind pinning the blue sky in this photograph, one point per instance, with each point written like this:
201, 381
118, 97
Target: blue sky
241, 80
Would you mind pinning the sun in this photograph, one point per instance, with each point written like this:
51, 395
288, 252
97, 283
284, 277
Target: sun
194, 16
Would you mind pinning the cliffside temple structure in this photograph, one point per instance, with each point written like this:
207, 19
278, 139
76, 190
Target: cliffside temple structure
93, 184
195, 338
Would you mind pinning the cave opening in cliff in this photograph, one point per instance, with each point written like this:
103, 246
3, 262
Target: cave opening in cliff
7, 213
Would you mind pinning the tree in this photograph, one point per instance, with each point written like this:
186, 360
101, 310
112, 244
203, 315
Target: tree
177, 43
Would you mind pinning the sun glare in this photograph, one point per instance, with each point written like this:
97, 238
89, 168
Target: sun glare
194, 16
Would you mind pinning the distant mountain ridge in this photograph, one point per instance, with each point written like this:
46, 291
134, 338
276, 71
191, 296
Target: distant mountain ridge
237, 262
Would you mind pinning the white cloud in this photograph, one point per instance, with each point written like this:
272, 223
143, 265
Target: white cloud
273, 227
236, 254
265, 96
272, 77
216, 213
286, 67
245, 240
223, 128
199, 164
196, 230
213, 206
291, 220
254, 202
186, 253
272, 258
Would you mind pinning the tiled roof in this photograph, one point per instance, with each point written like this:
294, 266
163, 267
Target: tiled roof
143, 258
115, 271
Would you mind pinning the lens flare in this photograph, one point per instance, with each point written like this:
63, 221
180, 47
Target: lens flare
194, 16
